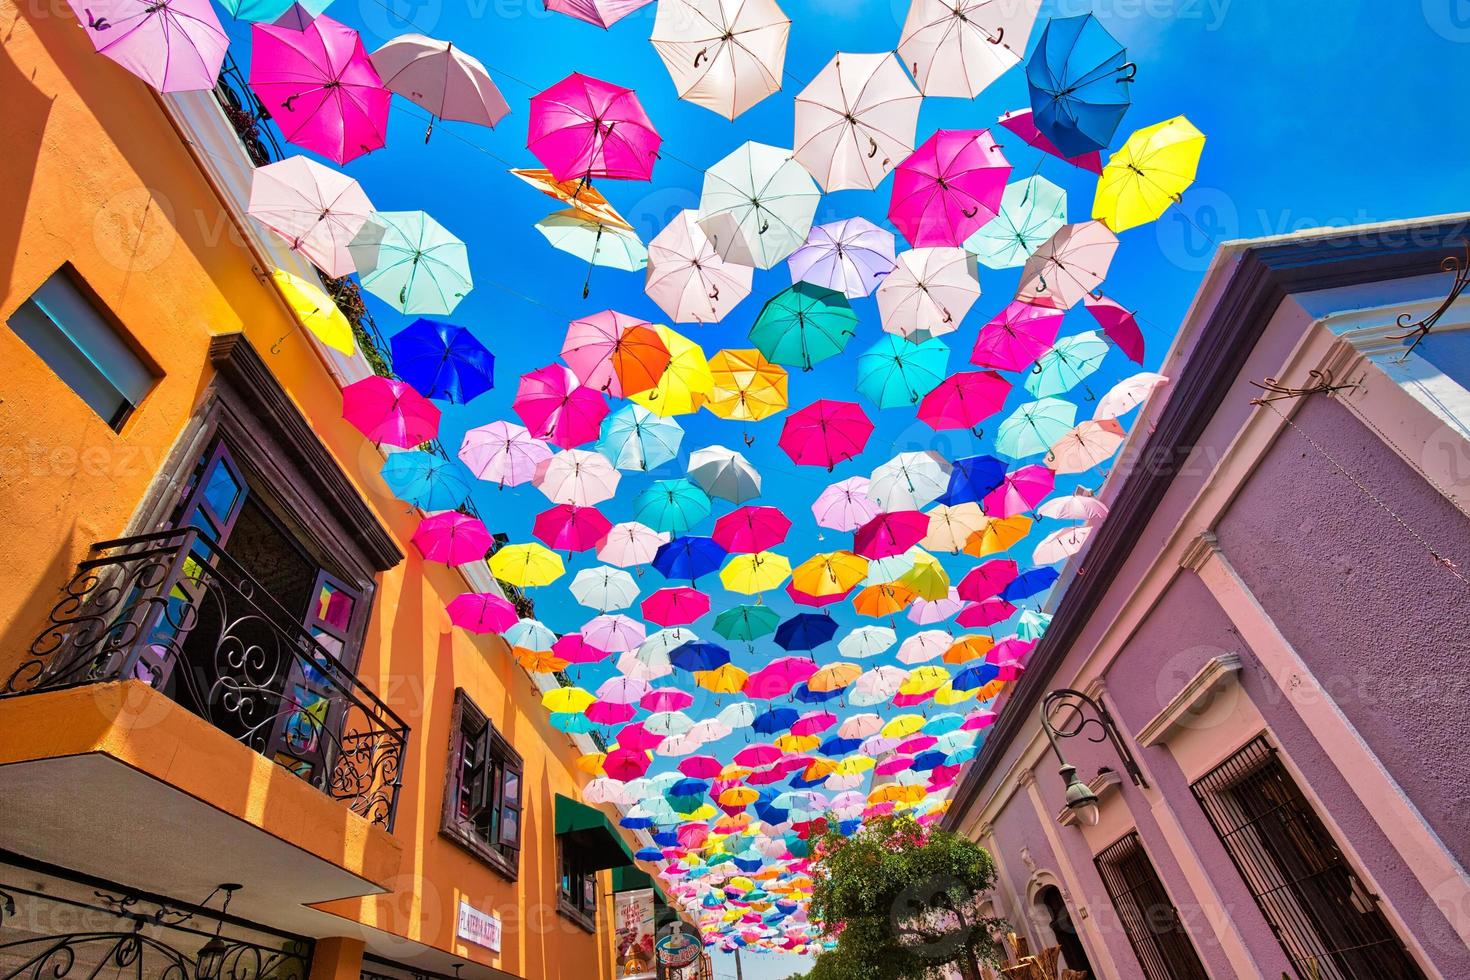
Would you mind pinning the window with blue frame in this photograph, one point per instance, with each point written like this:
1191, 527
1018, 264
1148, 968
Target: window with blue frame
78, 341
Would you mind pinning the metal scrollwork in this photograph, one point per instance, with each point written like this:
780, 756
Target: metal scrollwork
1066, 713
1457, 266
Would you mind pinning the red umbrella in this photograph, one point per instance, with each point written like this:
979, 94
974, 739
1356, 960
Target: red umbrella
890, 534
1018, 335
568, 528
1118, 323
964, 400
584, 127
825, 433
675, 606
555, 406
389, 411
984, 581
948, 187
751, 529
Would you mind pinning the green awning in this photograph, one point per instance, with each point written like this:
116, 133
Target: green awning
587, 828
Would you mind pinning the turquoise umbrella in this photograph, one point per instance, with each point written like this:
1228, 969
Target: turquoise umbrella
411, 262
896, 372
634, 438
804, 324
593, 241
1067, 364
1034, 427
427, 481
672, 505
747, 622
1031, 624
1031, 211
572, 722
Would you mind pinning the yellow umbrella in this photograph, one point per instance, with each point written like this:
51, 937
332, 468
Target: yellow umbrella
732, 771
687, 381
998, 535
834, 677
927, 578
705, 811
797, 743
924, 680
856, 764
572, 699
948, 695
968, 648
527, 565
882, 600
747, 387
902, 726
725, 679
738, 796
760, 572
897, 793
1148, 173
951, 526
316, 311
591, 763
829, 573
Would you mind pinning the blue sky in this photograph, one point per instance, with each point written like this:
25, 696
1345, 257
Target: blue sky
1316, 115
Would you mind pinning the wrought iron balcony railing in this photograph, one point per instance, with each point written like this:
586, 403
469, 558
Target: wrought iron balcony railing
171, 609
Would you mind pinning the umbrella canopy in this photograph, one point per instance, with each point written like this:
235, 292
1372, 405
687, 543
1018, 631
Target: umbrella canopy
452, 538
317, 210
389, 411
442, 360
1088, 445
615, 353
688, 557
1031, 211
1151, 170
724, 473
1080, 505
688, 278
864, 642
1022, 122
851, 256
1034, 427
1070, 361
441, 79
845, 505
317, 311
896, 372
949, 187
757, 205
999, 534
754, 573
928, 293
685, 383
1079, 78
964, 400
633, 438
746, 622
671, 505
1060, 545
1128, 394
424, 480
594, 241
825, 433
1016, 336
909, 481
411, 262
951, 526
751, 529
855, 120
603, 13
177, 46
630, 543
503, 453
583, 127
725, 55
958, 47
578, 193
890, 533
1118, 325
805, 631
1020, 491
675, 606
557, 408
570, 528
577, 477
526, 565
320, 87
604, 589
829, 573
1068, 266
804, 324
482, 612
746, 386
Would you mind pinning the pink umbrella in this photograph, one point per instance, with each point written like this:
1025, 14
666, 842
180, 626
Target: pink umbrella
778, 677
568, 528
891, 534
851, 256
1060, 545
1068, 266
666, 699
845, 505
1118, 323
317, 210
613, 632
176, 46
964, 400
675, 606
910, 700
926, 612
751, 529
609, 713
575, 650
616, 353
978, 719
948, 187
603, 13
759, 754
1019, 121
583, 127
390, 412
701, 767
825, 433
630, 543
1017, 335
634, 736
1087, 445
503, 452
815, 601
986, 612
482, 612
556, 407
984, 581
320, 87
1079, 505
813, 723
1019, 491
916, 744
687, 277
452, 538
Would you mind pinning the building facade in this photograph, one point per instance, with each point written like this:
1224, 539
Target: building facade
233, 711
1257, 666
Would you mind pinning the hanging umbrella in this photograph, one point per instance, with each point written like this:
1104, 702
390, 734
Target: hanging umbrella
751, 529
598, 243
604, 589
1070, 361
861, 643
320, 87
778, 678
1148, 174
697, 656
755, 573
1090, 444
577, 477
829, 573
928, 293
804, 324
503, 452
825, 433
1034, 427
440, 79
577, 193
1020, 491
950, 526
634, 438
685, 383
1079, 505
408, 260
725, 55
909, 481
757, 205
1016, 336
851, 256
1022, 122
556, 408
688, 279
746, 622
805, 632
390, 412
1128, 394
630, 544
526, 566
746, 386
672, 505
615, 353
895, 372
998, 534
883, 601
855, 120
675, 606
1031, 211
688, 557
989, 579
613, 632
958, 47
602, 13
452, 538
317, 210
1079, 78
482, 612
1031, 624
176, 46
317, 311
986, 612
566, 527
1029, 583
1118, 324
1068, 266
442, 360
890, 533
845, 505
1060, 545
583, 127
926, 612
948, 187
964, 400
424, 480
725, 474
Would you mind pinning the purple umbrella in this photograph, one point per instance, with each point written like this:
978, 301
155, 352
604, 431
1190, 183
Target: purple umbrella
851, 256
173, 45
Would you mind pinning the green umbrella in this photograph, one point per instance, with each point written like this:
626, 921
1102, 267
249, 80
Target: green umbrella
408, 260
1031, 211
896, 372
804, 324
1034, 427
1067, 364
747, 622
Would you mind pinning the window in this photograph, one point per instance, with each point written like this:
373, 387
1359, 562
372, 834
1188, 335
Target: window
482, 806
576, 896
1149, 918
1328, 923
80, 344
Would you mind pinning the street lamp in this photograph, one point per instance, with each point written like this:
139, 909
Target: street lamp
1071, 708
212, 954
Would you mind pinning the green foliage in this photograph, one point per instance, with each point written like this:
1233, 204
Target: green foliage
902, 902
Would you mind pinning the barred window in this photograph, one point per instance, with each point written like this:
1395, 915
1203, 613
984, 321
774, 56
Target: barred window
1149, 918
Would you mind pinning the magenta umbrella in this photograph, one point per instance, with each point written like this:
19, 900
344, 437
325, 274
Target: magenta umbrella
174, 46
751, 529
568, 528
815, 601
583, 127
1019, 491
666, 699
1118, 323
603, 13
575, 650
390, 412
616, 353
778, 677
320, 87
890, 534
677, 605
986, 612
984, 581
452, 538
558, 408
949, 187
1018, 335
964, 400
482, 612
825, 433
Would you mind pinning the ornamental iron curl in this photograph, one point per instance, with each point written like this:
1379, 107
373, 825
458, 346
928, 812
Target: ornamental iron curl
1067, 713
1458, 266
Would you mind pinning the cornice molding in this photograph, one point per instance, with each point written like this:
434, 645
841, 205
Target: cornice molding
1193, 699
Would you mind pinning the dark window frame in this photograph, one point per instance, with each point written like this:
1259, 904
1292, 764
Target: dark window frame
576, 888
1128, 875
473, 814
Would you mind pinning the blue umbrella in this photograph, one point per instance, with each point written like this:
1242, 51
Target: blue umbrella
1028, 583
646, 853
688, 557
441, 360
765, 806
805, 631
636, 823
667, 838
972, 678
1078, 76
774, 721
837, 745
926, 761
745, 864
806, 695
672, 505
698, 655
427, 481
972, 478
634, 438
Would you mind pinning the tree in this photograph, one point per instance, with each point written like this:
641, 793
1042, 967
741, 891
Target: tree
902, 901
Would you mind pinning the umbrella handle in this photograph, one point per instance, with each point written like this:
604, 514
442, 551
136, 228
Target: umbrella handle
1000, 35
1132, 69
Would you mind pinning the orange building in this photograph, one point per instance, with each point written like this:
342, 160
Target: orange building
222, 662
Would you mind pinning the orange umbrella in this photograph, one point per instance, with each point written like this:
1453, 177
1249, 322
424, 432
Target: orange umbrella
747, 386
580, 194
997, 535
968, 648
884, 599
539, 661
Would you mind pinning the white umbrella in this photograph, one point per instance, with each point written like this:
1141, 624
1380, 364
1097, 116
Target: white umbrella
1076, 506
950, 526
1087, 445
738, 715
1128, 394
958, 47
630, 543
909, 481
604, 589
1068, 265
1060, 545
925, 646
929, 292
577, 477
856, 121
317, 210
860, 726
688, 279
438, 77
725, 55
876, 686
845, 505
724, 473
757, 205
866, 641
